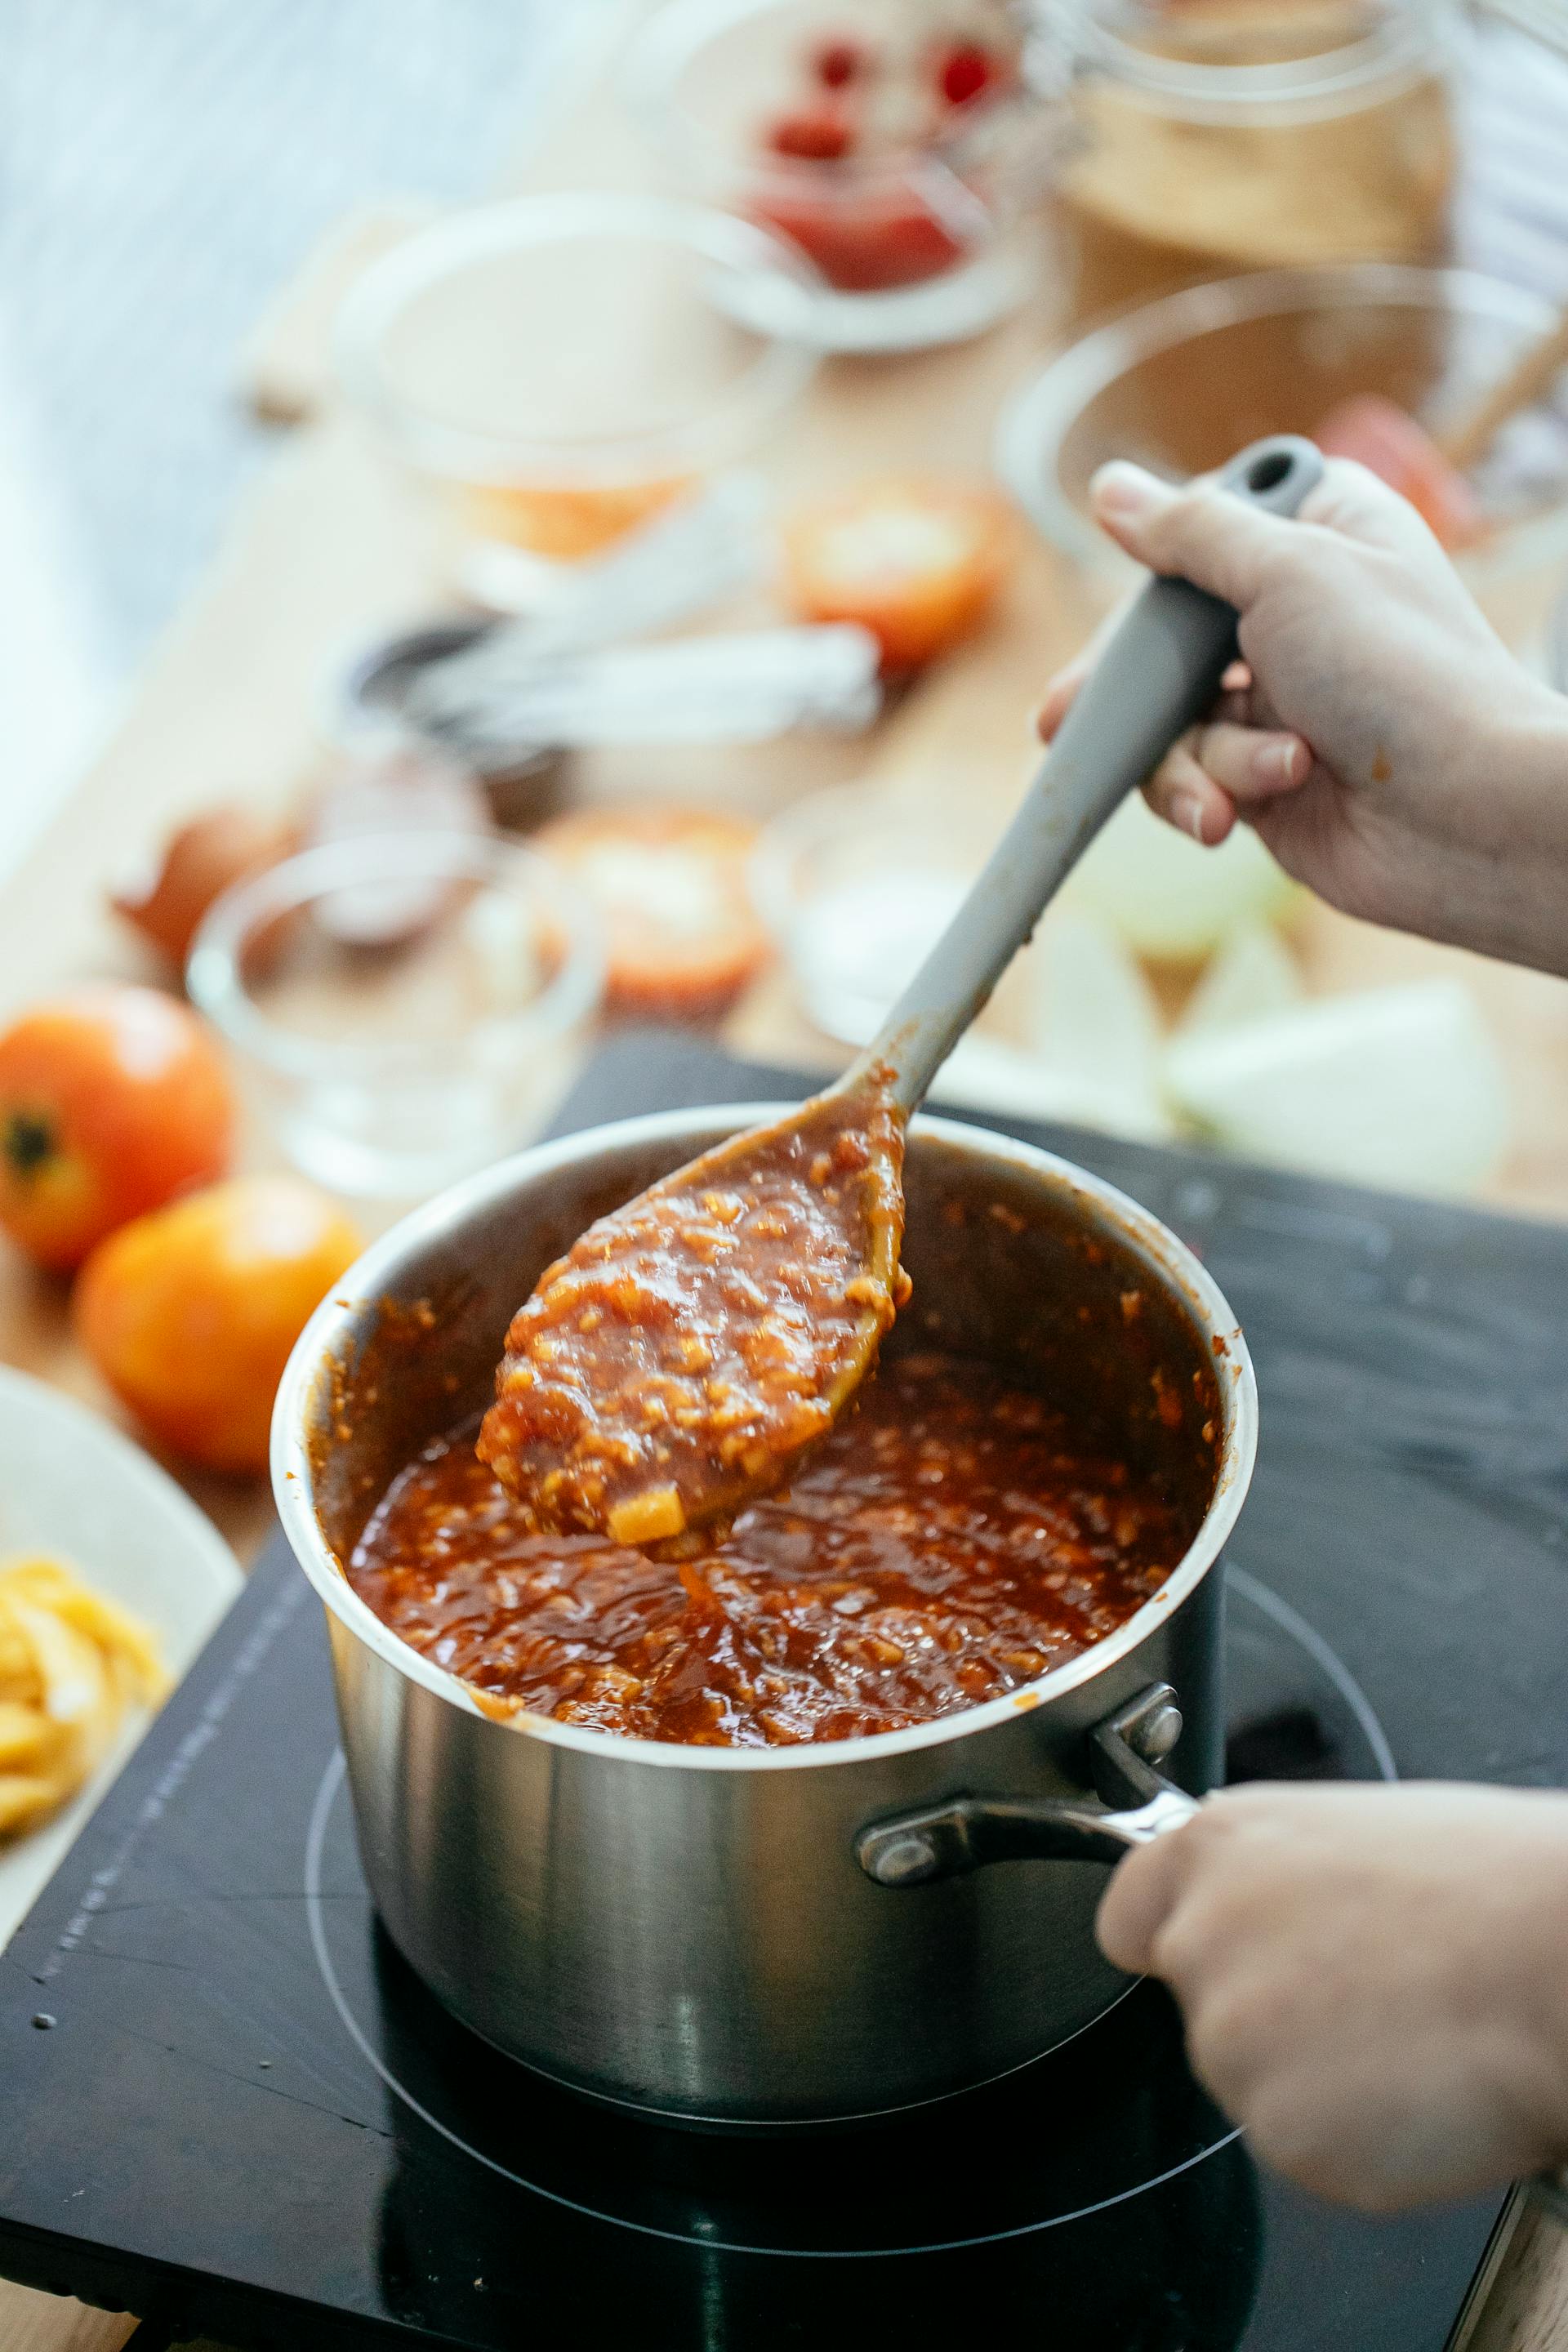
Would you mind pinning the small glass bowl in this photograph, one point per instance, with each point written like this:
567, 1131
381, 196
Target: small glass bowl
855, 887
1180, 383
563, 368
916, 243
407, 1002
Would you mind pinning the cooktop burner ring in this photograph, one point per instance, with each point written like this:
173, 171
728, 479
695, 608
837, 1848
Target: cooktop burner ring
1287, 1620
1290, 1621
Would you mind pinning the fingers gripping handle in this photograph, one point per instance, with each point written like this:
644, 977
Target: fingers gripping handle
1159, 672
1162, 668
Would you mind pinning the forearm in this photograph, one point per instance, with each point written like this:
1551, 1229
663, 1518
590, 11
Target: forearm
1500, 885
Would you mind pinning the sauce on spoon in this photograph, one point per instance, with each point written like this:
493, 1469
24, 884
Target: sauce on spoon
686, 1348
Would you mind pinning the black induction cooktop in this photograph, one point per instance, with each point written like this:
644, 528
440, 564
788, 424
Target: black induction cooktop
226, 2103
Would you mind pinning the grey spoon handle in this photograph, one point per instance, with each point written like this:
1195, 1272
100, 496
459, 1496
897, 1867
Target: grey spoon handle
1159, 672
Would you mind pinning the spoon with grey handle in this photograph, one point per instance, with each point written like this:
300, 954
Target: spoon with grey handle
1157, 676
783, 1345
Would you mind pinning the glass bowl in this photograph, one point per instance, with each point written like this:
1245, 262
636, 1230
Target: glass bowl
406, 1004
1180, 383
563, 368
856, 886
916, 237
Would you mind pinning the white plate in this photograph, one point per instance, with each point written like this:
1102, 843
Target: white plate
71, 1485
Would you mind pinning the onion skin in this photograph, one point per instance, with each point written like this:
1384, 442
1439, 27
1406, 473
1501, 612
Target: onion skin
201, 859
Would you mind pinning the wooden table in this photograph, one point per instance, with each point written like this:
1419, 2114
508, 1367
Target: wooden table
328, 549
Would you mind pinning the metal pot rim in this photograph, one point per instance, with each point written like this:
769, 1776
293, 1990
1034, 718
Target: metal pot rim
371, 1274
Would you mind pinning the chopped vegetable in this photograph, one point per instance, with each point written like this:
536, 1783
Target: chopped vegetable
1096, 1023
964, 71
1093, 1056
1402, 1087
867, 190
837, 63
1167, 898
1387, 440
683, 939
821, 134
1252, 974
915, 559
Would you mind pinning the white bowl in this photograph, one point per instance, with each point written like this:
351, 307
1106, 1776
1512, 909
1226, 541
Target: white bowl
73, 1486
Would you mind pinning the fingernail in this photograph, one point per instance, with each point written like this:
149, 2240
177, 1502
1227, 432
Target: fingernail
1277, 764
1126, 490
1188, 811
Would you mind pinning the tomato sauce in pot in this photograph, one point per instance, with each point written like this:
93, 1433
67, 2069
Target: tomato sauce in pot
956, 1537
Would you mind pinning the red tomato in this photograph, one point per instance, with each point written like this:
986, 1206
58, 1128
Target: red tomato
111, 1100
1387, 440
683, 938
190, 1313
915, 561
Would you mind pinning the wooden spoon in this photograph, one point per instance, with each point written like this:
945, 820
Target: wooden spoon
673, 1363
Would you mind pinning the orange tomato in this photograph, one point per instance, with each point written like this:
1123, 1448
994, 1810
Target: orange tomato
111, 1100
916, 561
190, 1313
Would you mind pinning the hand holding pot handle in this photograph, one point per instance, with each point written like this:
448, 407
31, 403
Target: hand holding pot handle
946, 1841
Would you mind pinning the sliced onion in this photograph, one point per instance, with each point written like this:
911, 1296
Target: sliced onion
1093, 1056
1252, 975
1166, 898
1400, 1086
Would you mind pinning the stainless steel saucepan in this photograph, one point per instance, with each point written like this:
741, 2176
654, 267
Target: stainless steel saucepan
790, 1934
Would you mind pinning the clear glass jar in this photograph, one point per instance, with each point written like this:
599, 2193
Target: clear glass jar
1200, 137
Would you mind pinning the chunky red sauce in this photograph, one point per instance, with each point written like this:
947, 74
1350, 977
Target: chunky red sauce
689, 1344
947, 1542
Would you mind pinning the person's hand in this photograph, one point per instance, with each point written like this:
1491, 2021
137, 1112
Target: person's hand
1374, 1981
1377, 734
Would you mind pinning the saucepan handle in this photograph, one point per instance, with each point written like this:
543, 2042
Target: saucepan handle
1138, 1803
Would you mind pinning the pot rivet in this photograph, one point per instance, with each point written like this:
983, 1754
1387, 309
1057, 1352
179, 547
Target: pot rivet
904, 1859
1158, 1733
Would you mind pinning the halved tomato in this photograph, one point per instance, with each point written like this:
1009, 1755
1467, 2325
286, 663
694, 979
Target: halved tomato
683, 937
915, 560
